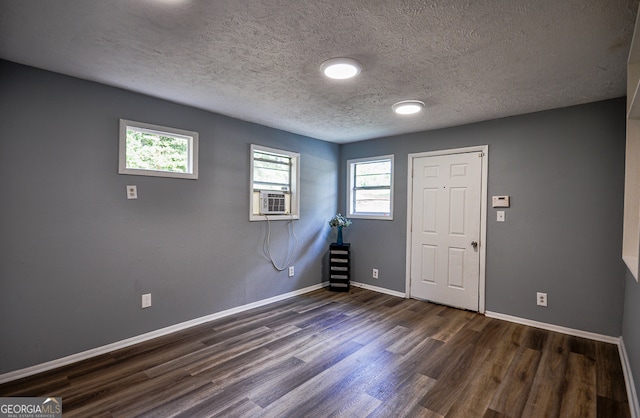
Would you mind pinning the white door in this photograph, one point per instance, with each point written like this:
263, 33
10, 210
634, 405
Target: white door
445, 230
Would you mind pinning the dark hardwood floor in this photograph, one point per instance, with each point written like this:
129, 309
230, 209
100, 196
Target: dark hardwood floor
355, 354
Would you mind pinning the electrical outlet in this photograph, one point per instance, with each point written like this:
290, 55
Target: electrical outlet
146, 300
292, 271
132, 192
375, 273
541, 299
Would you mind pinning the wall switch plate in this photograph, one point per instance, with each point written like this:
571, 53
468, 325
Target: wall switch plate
132, 192
541, 299
500, 201
500, 216
375, 273
292, 271
146, 300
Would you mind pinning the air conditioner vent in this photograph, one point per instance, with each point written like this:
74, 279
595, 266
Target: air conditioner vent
272, 203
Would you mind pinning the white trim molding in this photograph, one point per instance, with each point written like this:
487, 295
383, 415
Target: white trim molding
50, 365
554, 328
483, 150
292, 195
190, 137
632, 395
379, 289
351, 187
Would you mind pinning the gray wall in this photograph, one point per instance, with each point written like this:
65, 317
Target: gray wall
76, 255
564, 171
631, 326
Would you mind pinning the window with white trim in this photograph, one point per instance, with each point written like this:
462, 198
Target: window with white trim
370, 188
275, 172
153, 150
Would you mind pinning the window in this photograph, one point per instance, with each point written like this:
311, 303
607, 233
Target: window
370, 191
278, 172
151, 150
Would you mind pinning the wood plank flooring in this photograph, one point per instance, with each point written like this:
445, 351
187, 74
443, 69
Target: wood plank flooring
355, 354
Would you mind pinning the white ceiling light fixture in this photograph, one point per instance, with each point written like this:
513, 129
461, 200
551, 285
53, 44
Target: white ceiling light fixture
340, 68
408, 107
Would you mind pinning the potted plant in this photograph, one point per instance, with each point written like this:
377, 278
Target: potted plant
340, 222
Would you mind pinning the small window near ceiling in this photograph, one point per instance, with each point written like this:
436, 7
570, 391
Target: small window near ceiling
275, 175
152, 150
370, 188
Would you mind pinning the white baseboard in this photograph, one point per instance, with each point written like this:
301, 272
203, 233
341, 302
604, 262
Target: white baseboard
379, 289
628, 380
43, 367
555, 328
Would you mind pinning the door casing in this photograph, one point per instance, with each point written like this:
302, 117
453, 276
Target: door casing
484, 149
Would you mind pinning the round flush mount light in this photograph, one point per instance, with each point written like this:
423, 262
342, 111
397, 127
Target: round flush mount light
340, 68
408, 107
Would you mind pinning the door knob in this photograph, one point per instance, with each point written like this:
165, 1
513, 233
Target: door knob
474, 244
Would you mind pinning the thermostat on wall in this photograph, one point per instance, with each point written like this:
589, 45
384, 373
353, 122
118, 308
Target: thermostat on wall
500, 201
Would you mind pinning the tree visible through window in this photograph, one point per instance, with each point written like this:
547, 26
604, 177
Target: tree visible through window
157, 151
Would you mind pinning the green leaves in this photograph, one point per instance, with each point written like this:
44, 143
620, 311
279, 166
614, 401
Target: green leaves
153, 151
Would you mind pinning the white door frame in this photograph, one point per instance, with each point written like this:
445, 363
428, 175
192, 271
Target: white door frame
484, 149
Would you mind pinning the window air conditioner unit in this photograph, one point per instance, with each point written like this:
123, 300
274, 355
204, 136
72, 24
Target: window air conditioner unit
272, 203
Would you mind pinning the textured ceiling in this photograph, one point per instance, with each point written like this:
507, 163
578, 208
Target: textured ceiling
258, 60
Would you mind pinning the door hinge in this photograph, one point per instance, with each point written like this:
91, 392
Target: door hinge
481, 154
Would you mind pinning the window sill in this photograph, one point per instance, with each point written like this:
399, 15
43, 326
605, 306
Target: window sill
374, 217
259, 218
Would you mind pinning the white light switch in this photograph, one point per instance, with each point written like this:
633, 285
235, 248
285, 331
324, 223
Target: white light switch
500, 216
132, 192
146, 300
